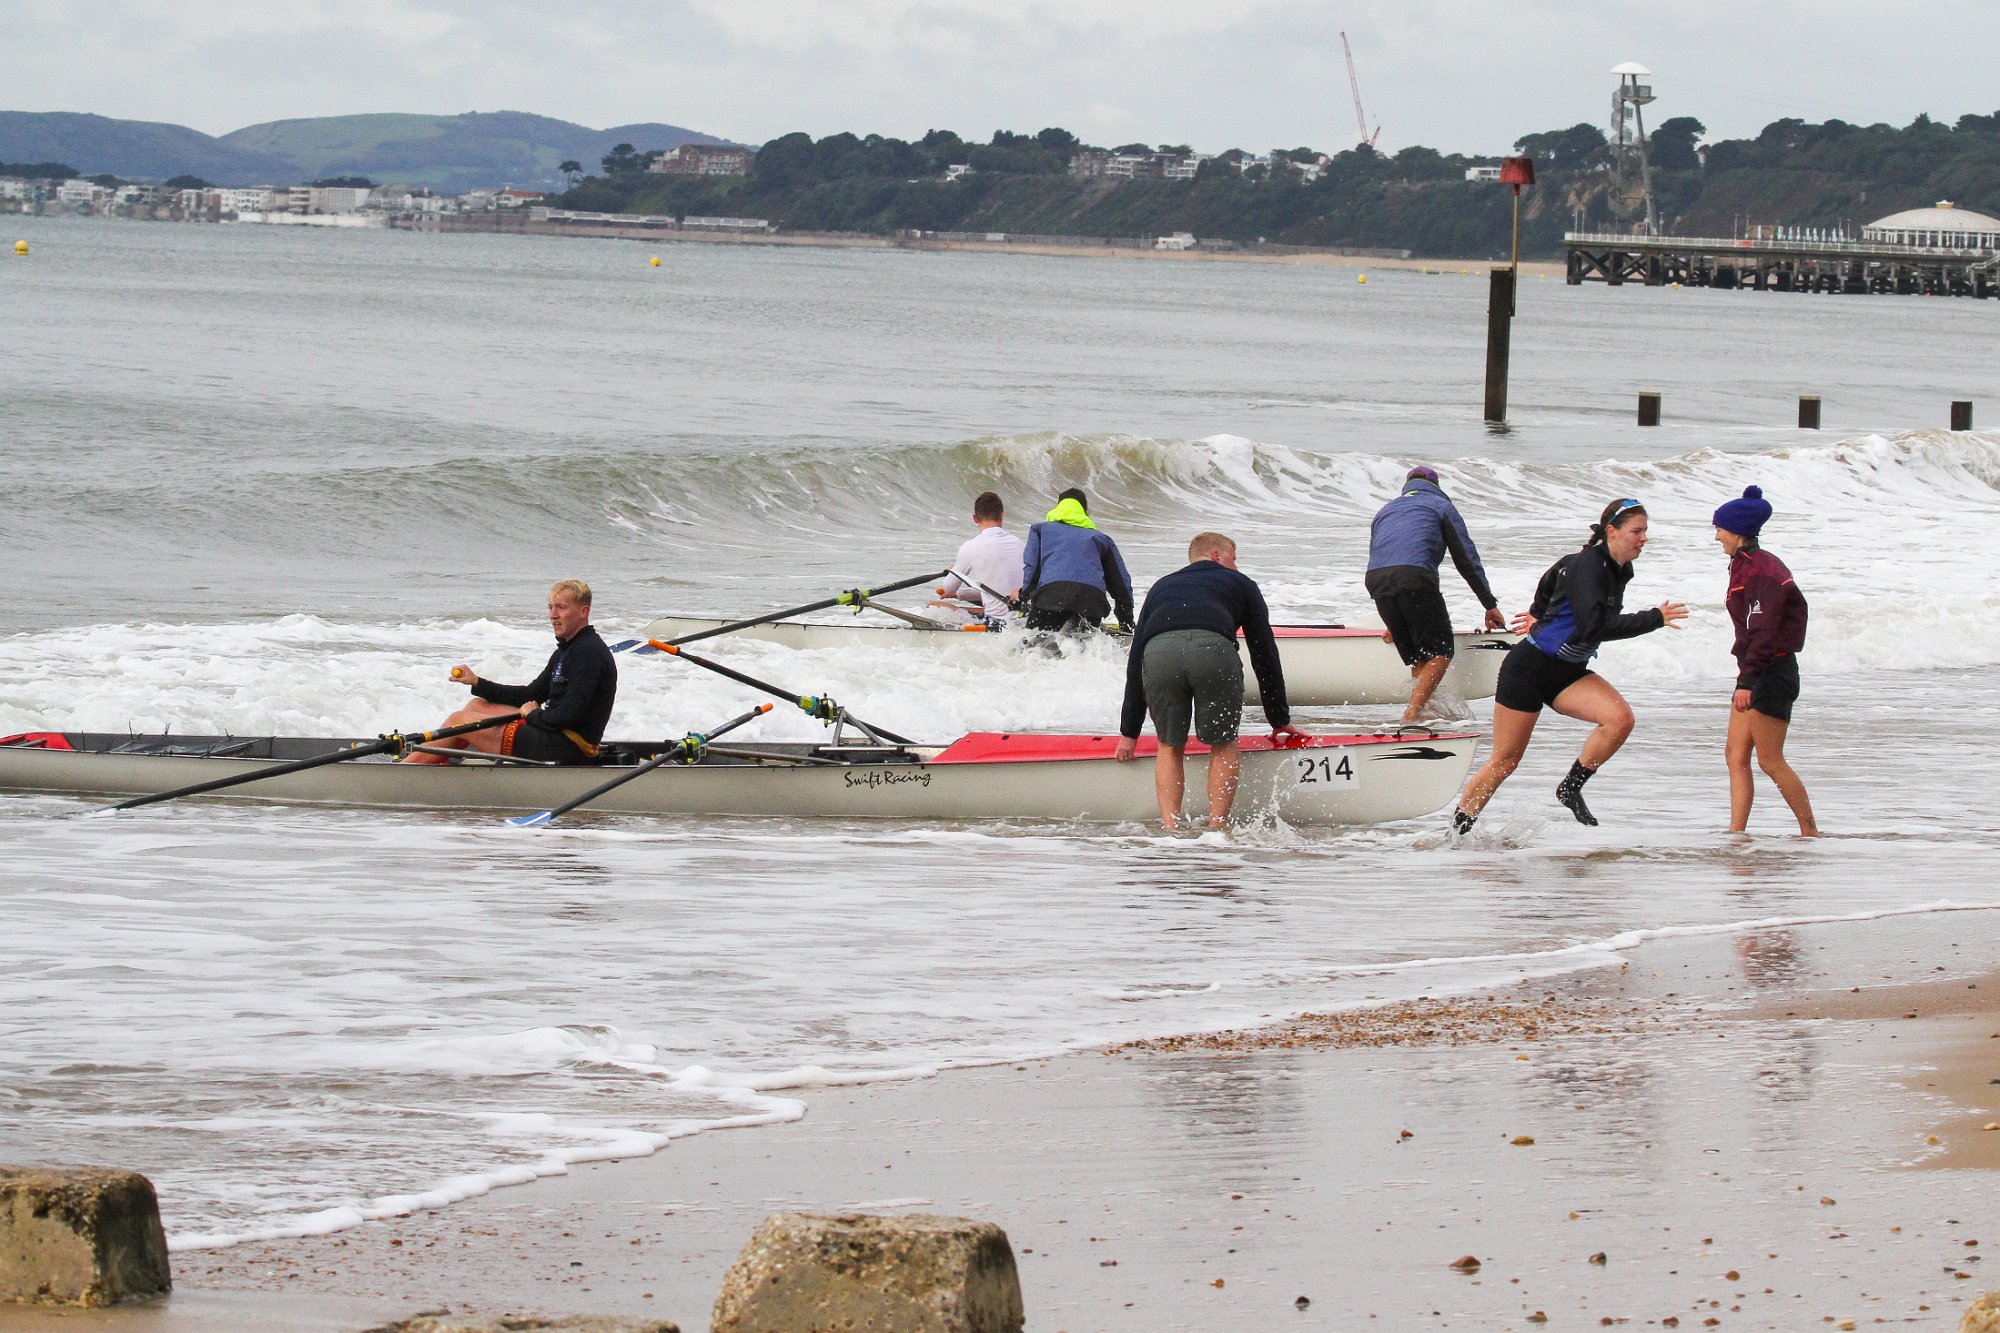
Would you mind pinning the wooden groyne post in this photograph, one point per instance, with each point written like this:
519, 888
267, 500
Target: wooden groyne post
1499, 341
1961, 415
1809, 412
1649, 409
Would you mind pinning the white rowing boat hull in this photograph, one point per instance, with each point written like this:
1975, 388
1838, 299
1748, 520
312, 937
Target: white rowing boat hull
1324, 665
984, 776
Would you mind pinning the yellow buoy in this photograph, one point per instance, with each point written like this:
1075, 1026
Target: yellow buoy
656, 261
1361, 277
20, 247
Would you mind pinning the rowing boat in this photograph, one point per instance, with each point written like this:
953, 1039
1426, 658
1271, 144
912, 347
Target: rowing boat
1329, 780
1324, 664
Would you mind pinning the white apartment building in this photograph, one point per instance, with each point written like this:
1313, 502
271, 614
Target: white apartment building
256, 199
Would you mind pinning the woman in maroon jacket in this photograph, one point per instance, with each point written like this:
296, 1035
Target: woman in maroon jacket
1769, 613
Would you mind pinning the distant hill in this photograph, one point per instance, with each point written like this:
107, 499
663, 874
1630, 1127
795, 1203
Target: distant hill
134, 149
450, 154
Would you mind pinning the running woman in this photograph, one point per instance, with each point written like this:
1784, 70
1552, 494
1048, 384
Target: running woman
1578, 605
1769, 613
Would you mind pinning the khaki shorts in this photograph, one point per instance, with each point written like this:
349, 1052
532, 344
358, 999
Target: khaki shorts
1193, 677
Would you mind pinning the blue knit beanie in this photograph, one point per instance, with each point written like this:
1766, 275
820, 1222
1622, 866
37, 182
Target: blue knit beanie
1744, 517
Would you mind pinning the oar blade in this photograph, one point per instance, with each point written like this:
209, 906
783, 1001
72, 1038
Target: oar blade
536, 820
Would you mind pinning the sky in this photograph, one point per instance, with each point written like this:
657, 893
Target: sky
1467, 76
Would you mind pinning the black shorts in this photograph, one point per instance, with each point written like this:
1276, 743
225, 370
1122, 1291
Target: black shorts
528, 741
1420, 623
1776, 689
1530, 679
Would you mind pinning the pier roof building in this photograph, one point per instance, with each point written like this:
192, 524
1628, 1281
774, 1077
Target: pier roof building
1947, 226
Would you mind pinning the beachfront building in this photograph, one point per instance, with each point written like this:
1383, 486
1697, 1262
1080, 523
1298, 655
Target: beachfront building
957, 170
1946, 226
694, 159
254, 199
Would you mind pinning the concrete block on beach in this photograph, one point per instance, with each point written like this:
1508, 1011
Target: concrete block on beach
920, 1273
1983, 1316
514, 1323
85, 1236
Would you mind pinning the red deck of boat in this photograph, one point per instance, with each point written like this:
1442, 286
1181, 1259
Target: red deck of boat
1000, 747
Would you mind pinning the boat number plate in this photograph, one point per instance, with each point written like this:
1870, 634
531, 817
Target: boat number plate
1323, 766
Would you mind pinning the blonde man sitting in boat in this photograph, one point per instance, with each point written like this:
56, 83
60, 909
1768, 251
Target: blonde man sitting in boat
563, 711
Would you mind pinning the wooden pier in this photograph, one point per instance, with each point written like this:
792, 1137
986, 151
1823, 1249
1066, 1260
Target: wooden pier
1854, 267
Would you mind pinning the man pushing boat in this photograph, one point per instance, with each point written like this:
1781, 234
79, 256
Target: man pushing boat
1407, 543
1184, 669
563, 711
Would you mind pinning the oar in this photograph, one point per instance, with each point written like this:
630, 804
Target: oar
687, 750
395, 740
814, 705
1012, 603
852, 597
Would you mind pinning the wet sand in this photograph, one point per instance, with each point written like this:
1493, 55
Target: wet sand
1781, 1128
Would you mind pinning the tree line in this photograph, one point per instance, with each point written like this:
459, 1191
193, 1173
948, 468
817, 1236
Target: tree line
1417, 198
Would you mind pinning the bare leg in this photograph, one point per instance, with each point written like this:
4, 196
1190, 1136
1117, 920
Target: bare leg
1225, 768
1736, 753
487, 741
1767, 734
1425, 676
1169, 784
1593, 699
1511, 730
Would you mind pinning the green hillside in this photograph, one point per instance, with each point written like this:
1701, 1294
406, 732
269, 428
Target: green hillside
450, 154
133, 149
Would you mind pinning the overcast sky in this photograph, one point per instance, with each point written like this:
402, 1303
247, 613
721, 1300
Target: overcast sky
1459, 75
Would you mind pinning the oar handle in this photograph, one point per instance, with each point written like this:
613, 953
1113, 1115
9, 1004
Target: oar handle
1012, 603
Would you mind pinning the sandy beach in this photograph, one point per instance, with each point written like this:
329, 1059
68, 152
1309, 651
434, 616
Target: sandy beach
1774, 1129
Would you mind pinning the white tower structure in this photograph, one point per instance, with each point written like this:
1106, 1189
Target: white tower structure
1635, 90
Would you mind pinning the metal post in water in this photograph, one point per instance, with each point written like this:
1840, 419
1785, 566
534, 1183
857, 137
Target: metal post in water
1808, 411
1961, 414
1499, 340
1649, 409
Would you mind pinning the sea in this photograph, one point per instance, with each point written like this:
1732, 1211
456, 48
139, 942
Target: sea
279, 480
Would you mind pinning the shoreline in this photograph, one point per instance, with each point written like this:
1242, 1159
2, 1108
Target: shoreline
1801, 1105
1334, 256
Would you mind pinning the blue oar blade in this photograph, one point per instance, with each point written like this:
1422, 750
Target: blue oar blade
535, 820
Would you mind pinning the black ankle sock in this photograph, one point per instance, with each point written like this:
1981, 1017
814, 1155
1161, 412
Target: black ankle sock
1570, 792
1461, 822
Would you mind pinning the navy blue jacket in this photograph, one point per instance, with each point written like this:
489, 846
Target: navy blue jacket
1580, 603
1065, 553
1206, 595
575, 690
1410, 538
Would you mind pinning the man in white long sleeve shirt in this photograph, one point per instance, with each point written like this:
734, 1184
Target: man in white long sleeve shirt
992, 557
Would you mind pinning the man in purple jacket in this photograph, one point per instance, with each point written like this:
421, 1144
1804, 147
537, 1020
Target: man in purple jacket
1410, 537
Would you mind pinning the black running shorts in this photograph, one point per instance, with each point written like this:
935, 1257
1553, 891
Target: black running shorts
1776, 689
1530, 679
1420, 623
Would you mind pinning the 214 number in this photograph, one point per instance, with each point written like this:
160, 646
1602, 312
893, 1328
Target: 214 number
1326, 768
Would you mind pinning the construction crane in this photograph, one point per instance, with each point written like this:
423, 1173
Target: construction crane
1360, 116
